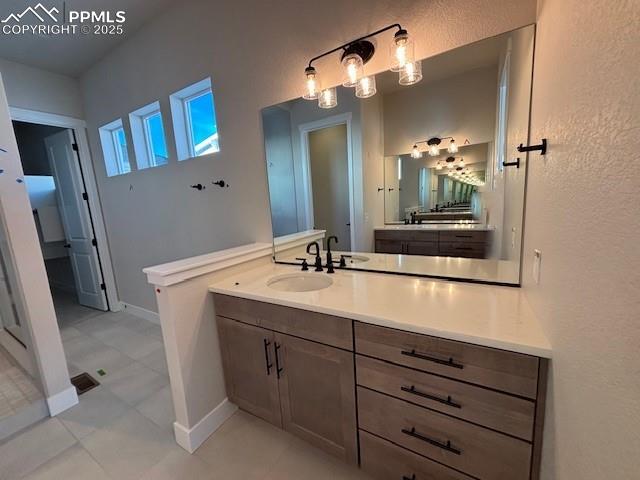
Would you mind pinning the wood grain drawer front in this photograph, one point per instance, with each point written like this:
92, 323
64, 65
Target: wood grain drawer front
499, 411
385, 461
468, 236
421, 248
462, 249
407, 235
505, 371
389, 246
474, 450
327, 329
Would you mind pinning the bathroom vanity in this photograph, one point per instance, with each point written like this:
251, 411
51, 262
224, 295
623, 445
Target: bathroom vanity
465, 241
409, 378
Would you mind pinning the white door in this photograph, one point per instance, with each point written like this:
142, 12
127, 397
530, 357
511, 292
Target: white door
76, 220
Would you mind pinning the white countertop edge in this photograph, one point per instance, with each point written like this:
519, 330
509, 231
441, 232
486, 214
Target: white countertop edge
175, 272
296, 239
539, 351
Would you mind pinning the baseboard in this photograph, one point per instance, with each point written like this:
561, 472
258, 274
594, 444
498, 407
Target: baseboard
191, 439
62, 401
141, 312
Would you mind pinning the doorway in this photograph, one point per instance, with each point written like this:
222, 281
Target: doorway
57, 191
327, 172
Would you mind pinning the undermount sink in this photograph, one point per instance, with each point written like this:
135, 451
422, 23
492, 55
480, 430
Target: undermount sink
357, 259
300, 282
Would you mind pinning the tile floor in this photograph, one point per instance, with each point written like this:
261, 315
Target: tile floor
17, 389
122, 429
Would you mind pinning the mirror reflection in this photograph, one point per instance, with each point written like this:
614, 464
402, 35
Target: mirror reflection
413, 179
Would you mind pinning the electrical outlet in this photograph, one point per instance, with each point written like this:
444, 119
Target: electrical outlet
537, 260
513, 237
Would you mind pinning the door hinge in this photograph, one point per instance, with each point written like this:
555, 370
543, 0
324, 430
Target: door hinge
103, 286
85, 196
94, 242
74, 146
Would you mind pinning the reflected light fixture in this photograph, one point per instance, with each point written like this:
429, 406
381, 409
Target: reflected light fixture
452, 148
415, 152
328, 98
366, 87
355, 54
439, 165
433, 146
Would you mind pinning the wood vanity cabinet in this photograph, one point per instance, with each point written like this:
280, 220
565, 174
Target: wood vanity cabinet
402, 405
303, 386
467, 244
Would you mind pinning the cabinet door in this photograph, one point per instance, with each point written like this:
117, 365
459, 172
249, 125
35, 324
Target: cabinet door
317, 395
250, 375
421, 248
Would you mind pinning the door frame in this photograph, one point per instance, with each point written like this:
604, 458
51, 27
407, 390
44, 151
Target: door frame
304, 130
79, 128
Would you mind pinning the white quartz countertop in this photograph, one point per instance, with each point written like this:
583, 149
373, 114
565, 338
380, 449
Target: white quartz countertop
439, 227
492, 316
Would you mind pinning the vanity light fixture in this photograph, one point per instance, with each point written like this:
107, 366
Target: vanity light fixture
439, 165
433, 146
355, 55
450, 161
415, 152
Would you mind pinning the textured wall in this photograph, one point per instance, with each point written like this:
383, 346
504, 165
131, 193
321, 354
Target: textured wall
36, 89
255, 60
582, 212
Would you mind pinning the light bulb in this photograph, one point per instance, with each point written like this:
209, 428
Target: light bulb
450, 173
411, 73
401, 51
415, 153
328, 98
366, 87
434, 151
453, 148
461, 162
312, 85
438, 165
352, 64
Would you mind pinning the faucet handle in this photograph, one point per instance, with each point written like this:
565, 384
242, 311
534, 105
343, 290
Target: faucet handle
305, 265
343, 262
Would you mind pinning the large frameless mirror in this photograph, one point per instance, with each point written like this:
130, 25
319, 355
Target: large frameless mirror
423, 179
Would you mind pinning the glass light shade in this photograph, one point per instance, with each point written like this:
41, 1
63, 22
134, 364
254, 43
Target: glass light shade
450, 173
453, 148
402, 51
461, 163
312, 86
366, 87
353, 70
434, 151
439, 165
415, 153
411, 73
328, 98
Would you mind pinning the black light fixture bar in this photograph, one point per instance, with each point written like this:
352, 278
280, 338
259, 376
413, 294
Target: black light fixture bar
345, 46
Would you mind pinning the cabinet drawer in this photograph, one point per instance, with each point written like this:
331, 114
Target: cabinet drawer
327, 329
465, 236
389, 246
462, 249
505, 413
506, 371
384, 460
407, 235
421, 248
474, 450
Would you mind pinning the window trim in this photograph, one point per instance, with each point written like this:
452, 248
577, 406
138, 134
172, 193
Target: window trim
181, 114
114, 162
141, 134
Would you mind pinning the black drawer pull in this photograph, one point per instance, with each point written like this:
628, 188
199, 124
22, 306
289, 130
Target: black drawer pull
447, 401
439, 361
444, 446
463, 248
266, 355
464, 236
278, 368
412, 477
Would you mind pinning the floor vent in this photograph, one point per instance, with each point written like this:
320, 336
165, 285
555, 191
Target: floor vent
84, 382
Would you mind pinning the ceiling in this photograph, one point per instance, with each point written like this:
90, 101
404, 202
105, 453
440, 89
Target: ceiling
73, 54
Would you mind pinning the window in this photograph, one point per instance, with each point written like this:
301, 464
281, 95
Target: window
114, 148
147, 131
194, 120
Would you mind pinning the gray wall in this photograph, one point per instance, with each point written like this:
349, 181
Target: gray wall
582, 213
36, 89
153, 216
